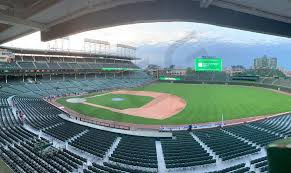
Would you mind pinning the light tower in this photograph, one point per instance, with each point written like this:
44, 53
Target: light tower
96, 46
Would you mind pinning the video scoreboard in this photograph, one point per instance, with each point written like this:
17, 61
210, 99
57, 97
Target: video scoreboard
208, 64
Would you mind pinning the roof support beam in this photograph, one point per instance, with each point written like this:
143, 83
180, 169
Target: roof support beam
10, 20
228, 4
96, 6
167, 10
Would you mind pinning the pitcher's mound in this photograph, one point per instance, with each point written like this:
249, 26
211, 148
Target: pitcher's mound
117, 99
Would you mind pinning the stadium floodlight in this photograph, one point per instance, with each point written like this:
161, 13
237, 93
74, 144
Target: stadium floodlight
126, 50
96, 46
61, 44
126, 46
96, 41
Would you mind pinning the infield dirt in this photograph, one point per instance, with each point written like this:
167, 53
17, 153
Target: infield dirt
161, 107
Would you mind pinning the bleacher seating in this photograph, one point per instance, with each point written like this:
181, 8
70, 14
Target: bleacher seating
136, 151
65, 130
217, 139
45, 88
283, 82
260, 164
9, 66
53, 65
112, 168
257, 136
279, 125
184, 151
7, 118
240, 168
29, 64
15, 134
208, 76
21, 154
24, 157
96, 142
26, 65
132, 154
39, 114
3, 101
264, 72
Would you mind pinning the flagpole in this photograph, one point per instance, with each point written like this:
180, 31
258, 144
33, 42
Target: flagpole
222, 119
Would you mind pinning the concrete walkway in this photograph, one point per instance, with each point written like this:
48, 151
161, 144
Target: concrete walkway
160, 157
145, 133
111, 149
205, 147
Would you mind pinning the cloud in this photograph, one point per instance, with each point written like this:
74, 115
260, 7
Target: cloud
159, 36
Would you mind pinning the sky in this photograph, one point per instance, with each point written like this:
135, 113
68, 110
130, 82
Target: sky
153, 41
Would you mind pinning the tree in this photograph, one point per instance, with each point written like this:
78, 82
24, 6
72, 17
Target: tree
172, 67
189, 71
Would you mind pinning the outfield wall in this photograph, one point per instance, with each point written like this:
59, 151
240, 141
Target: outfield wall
275, 87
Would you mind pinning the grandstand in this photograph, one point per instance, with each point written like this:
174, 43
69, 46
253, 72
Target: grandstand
41, 75
38, 136
46, 142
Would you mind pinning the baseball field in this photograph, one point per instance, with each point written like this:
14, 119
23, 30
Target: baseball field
166, 103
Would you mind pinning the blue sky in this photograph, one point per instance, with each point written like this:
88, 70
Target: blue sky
153, 39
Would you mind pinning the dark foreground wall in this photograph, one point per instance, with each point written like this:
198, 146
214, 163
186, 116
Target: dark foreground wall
279, 156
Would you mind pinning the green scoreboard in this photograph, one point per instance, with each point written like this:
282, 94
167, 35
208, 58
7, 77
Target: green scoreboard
208, 64
170, 78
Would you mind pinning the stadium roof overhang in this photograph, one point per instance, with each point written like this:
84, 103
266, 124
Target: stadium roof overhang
60, 18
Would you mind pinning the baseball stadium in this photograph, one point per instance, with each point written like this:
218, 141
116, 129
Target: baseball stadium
97, 110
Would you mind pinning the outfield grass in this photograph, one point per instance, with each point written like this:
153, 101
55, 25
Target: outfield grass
205, 103
4, 168
130, 101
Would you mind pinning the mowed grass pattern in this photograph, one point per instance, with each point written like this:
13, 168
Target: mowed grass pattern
205, 103
130, 101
